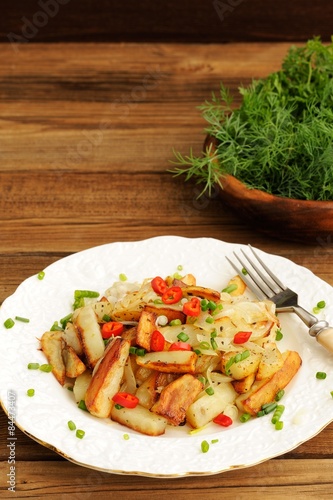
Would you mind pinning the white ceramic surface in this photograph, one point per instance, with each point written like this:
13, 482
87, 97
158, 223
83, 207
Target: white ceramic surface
44, 417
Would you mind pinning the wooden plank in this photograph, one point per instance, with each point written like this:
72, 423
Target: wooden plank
219, 20
275, 479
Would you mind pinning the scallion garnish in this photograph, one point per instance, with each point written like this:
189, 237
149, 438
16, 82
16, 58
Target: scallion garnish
277, 413
244, 417
33, 366
23, 320
230, 288
209, 391
71, 425
82, 405
183, 337
47, 368
122, 277
278, 335
30, 393
41, 275
321, 375
9, 323
80, 434
204, 446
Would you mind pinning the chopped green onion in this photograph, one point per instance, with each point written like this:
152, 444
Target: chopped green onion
277, 413
278, 335
9, 323
202, 379
70, 388
218, 308
315, 310
321, 304
244, 417
41, 275
230, 288
321, 375
177, 276
158, 301
213, 343
175, 322
85, 294
106, 318
244, 271
80, 434
82, 405
210, 391
33, 366
132, 350
71, 425
268, 407
46, 368
118, 406
204, 305
212, 305
140, 352
204, 446
55, 327
209, 320
122, 277
30, 393
126, 437
213, 441
204, 345
197, 351
331, 393
65, 320
23, 320
279, 395
236, 359
279, 425
183, 337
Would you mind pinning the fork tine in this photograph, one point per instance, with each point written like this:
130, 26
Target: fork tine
248, 279
268, 271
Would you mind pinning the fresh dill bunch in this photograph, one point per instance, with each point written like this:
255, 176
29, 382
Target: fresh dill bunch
280, 139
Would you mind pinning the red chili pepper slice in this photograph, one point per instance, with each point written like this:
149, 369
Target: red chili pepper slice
223, 420
192, 307
126, 399
242, 337
157, 341
112, 329
159, 285
180, 346
172, 295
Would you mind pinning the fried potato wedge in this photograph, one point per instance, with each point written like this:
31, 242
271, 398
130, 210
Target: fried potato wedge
145, 328
52, 344
264, 391
72, 338
176, 397
207, 407
169, 361
271, 361
242, 369
90, 335
74, 365
81, 385
169, 312
244, 385
202, 292
106, 380
140, 419
241, 286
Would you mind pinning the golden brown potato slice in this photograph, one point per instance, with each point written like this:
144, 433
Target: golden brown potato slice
81, 385
242, 369
106, 380
140, 419
145, 328
241, 286
74, 365
271, 361
264, 391
170, 313
177, 397
202, 292
72, 338
169, 361
245, 384
52, 344
207, 407
90, 335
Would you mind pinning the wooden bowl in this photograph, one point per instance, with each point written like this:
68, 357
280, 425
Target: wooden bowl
309, 222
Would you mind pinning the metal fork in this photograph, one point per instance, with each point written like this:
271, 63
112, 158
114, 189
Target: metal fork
265, 285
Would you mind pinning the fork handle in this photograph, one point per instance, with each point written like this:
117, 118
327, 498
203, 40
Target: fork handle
325, 338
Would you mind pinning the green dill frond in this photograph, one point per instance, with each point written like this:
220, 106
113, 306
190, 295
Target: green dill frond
280, 139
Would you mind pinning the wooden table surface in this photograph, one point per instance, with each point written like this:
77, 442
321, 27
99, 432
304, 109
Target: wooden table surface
86, 138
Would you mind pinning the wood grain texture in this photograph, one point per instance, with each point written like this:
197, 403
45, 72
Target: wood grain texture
86, 135
166, 20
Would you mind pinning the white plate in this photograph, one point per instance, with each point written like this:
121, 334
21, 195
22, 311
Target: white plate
44, 417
